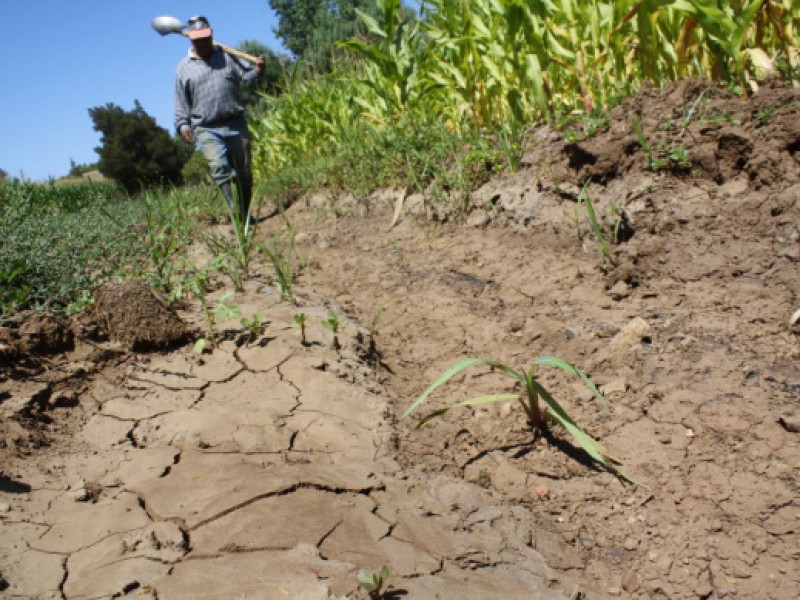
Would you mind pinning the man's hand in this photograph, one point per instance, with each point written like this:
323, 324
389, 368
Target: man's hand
260, 64
187, 135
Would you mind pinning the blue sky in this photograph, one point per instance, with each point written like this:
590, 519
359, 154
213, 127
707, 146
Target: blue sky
62, 58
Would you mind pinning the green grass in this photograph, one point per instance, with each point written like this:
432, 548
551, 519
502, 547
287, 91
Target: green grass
62, 242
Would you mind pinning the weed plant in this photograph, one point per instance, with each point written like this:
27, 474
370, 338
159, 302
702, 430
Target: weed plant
60, 243
333, 323
374, 583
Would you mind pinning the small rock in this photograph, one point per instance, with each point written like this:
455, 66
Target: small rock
790, 423
703, 590
477, 218
616, 386
614, 591
630, 581
619, 291
541, 492
4, 507
631, 335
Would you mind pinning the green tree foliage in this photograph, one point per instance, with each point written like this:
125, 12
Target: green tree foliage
309, 29
135, 151
3, 176
196, 170
296, 20
76, 170
276, 67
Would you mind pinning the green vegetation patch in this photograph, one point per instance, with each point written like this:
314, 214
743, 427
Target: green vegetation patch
60, 242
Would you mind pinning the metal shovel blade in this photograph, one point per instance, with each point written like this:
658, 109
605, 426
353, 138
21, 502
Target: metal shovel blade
166, 25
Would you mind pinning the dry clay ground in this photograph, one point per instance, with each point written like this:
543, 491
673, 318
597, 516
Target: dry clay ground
276, 469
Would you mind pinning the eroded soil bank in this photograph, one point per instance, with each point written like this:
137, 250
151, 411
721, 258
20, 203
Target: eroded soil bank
281, 468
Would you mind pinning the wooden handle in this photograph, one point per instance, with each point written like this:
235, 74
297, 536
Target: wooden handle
235, 52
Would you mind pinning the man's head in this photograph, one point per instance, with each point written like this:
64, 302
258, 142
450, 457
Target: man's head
199, 31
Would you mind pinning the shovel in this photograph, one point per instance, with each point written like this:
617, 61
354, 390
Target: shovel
167, 25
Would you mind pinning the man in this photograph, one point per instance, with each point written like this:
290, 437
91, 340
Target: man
209, 111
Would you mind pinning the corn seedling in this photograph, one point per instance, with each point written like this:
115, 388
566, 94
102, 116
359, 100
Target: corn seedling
282, 271
534, 392
333, 323
602, 245
231, 257
300, 322
374, 583
376, 320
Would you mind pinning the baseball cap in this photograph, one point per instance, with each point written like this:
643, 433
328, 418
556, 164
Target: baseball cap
198, 27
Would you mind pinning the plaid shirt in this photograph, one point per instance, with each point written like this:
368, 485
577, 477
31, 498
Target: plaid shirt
208, 93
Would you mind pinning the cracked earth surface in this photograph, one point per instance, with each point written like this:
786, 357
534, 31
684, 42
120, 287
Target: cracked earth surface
260, 471
275, 469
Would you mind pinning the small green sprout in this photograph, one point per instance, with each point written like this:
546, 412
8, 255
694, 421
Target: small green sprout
374, 583
333, 323
255, 327
300, 322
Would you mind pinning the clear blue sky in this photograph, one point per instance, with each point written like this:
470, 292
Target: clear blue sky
62, 58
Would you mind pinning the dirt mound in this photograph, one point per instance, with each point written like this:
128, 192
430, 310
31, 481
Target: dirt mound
134, 315
692, 128
39, 334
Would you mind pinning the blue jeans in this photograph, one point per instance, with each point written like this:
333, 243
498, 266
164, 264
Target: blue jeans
227, 149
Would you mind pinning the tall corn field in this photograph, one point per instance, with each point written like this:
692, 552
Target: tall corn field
502, 65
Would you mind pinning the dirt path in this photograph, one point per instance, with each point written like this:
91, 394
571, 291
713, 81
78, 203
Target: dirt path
275, 469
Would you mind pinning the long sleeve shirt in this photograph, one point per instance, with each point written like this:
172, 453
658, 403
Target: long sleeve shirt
208, 92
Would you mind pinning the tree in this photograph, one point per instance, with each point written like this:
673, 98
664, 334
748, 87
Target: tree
135, 150
309, 29
3, 176
296, 20
276, 67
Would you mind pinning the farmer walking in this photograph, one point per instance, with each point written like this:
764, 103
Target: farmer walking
209, 112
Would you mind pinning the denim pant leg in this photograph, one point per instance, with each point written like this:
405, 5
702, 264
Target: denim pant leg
212, 144
227, 150
238, 143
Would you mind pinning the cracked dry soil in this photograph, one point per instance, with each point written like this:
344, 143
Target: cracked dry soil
274, 469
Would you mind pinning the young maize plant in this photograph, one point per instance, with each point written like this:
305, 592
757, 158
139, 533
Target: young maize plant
533, 393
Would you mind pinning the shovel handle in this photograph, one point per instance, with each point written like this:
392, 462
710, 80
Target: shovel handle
235, 52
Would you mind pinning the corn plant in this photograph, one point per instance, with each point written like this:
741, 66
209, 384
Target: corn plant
597, 229
281, 255
530, 400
